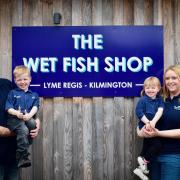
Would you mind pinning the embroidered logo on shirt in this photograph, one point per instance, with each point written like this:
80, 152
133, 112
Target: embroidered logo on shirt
17, 96
33, 97
177, 108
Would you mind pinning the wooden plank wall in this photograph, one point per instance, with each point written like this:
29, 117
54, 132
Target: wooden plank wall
87, 138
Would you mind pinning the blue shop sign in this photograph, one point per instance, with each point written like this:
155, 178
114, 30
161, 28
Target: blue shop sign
89, 61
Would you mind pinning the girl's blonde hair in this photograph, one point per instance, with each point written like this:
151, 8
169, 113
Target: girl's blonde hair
176, 69
151, 81
19, 70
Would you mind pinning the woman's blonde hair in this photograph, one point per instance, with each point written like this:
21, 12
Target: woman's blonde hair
151, 81
19, 70
176, 69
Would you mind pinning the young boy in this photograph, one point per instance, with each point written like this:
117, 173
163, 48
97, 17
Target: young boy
149, 109
22, 104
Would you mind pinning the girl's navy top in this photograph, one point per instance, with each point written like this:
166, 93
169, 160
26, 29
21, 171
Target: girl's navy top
148, 107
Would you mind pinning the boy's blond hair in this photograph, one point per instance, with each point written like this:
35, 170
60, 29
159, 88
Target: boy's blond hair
176, 69
19, 70
151, 81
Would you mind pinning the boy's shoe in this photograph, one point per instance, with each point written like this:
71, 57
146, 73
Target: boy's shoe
24, 163
140, 174
142, 165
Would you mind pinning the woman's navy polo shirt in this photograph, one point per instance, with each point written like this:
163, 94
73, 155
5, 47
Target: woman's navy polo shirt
7, 144
170, 120
19, 99
148, 107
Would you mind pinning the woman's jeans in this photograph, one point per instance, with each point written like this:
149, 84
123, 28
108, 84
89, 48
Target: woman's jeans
9, 172
165, 167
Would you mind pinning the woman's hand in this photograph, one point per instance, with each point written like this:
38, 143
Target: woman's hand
34, 132
153, 133
142, 133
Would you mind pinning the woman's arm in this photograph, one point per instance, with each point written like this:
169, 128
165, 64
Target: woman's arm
5, 132
172, 133
142, 133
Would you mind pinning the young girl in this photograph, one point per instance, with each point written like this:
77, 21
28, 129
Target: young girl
149, 109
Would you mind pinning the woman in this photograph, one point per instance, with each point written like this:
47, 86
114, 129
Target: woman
167, 165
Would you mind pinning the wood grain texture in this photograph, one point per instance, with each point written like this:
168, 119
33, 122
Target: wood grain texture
5, 37
68, 143
108, 152
177, 32
87, 138
98, 138
78, 148
58, 134
48, 139
168, 32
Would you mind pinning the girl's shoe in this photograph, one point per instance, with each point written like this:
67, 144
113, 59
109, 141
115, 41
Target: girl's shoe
140, 174
142, 165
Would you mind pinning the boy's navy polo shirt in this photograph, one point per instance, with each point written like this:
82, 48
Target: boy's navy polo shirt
18, 98
170, 120
7, 144
148, 107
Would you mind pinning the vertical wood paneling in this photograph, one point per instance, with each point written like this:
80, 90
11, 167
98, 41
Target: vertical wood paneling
67, 12
78, 148
108, 150
37, 149
168, 32
5, 37
177, 31
76, 12
128, 18
148, 12
96, 12
157, 12
48, 140
68, 144
86, 12
139, 12
107, 12
17, 13
58, 134
87, 138
119, 131
118, 11
98, 117
47, 13
108, 139
136, 140
26, 12
98, 138
128, 137
48, 120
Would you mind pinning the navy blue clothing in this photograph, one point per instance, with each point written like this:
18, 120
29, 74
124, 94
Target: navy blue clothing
7, 144
23, 101
170, 120
17, 98
148, 107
